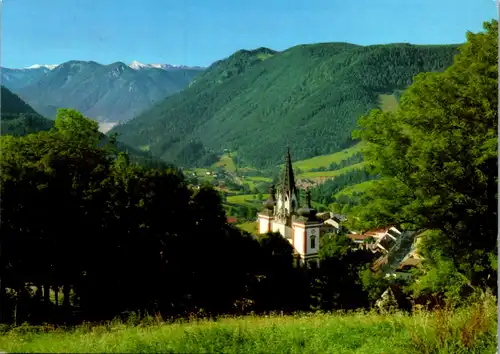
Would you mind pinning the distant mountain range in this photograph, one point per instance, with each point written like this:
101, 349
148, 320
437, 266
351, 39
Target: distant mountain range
137, 65
108, 93
256, 102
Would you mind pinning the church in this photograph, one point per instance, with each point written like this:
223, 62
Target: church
301, 226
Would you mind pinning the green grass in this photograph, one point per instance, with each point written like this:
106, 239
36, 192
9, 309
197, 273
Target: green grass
357, 188
254, 181
388, 103
326, 160
226, 162
470, 330
259, 179
246, 199
250, 227
200, 172
264, 56
249, 182
330, 174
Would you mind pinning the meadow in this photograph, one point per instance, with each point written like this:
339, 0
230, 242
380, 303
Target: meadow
250, 227
349, 191
246, 199
468, 330
330, 174
226, 162
326, 160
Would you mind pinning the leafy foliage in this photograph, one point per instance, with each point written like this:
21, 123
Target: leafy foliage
438, 158
341, 263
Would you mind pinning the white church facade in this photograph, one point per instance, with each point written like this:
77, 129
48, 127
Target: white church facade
302, 227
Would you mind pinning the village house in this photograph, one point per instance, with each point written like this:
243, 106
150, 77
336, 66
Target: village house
382, 240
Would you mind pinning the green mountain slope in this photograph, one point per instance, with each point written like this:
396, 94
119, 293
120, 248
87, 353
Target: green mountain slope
19, 118
255, 102
111, 93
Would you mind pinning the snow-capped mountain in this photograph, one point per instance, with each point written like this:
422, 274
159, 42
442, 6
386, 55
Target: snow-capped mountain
137, 65
112, 92
39, 66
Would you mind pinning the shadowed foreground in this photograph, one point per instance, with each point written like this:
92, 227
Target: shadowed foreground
469, 330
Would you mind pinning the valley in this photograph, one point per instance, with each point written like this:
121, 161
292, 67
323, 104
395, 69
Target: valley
323, 197
245, 189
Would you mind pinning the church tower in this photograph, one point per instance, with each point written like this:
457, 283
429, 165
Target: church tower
281, 207
287, 196
281, 214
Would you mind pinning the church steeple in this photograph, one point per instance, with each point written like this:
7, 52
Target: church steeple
288, 179
287, 195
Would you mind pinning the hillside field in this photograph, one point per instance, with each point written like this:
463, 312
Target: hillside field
246, 199
470, 330
249, 226
330, 174
326, 160
355, 189
226, 162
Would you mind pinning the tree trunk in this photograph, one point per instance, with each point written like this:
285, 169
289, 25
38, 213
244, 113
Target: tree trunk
66, 292
46, 294
56, 292
16, 304
2, 298
38, 292
46, 301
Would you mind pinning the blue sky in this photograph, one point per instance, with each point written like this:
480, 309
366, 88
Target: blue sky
198, 32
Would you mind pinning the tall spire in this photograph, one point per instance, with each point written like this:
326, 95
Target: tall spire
288, 181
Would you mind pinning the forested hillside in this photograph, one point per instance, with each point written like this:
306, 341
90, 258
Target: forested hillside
19, 118
309, 96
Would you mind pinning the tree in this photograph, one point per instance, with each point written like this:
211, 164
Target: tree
73, 125
438, 158
336, 284
51, 189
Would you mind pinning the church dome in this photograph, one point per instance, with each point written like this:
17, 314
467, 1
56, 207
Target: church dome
307, 212
269, 204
